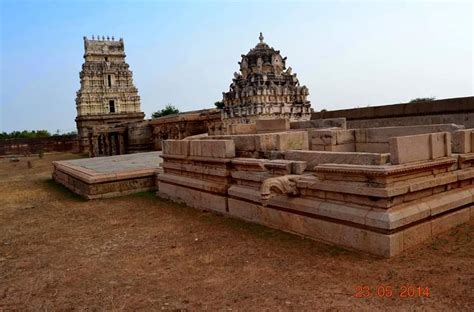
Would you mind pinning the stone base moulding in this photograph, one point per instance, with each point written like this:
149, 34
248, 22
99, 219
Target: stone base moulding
105, 177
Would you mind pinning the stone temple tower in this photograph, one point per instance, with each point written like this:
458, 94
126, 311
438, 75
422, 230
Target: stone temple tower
265, 88
107, 95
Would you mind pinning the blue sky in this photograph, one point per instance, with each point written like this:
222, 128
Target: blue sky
349, 54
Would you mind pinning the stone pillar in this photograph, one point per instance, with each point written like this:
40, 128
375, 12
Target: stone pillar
113, 144
101, 145
121, 143
107, 151
94, 150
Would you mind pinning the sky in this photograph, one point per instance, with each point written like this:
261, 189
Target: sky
348, 53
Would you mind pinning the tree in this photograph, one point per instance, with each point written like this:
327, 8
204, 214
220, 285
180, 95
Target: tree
219, 104
425, 99
168, 110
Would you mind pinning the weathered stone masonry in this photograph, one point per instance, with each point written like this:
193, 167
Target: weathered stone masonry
383, 202
107, 96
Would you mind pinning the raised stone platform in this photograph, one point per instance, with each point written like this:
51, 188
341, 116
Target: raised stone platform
112, 176
382, 200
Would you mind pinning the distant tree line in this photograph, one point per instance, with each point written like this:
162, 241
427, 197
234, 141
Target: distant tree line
26, 134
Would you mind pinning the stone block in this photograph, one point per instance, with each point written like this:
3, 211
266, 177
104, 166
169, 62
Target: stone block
242, 128
449, 221
271, 155
265, 142
305, 124
329, 123
349, 147
244, 142
317, 147
314, 158
419, 147
446, 201
462, 141
372, 147
360, 135
192, 198
323, 137
298, 167
416, 235
279, 166
244, 210
296, 140
440, 145
176, 147
383, 134
319, 123
345, 136
212, 148
272, 125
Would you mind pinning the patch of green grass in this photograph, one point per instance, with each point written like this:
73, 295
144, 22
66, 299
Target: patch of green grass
62, 190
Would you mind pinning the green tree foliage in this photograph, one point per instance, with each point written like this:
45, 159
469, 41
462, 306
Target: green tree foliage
25, 134
168, 110
425, 99
219, 104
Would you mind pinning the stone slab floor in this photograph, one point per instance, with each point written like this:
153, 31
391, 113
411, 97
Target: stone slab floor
119, 163
59, 252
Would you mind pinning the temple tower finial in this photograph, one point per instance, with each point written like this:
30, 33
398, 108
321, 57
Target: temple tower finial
261, 37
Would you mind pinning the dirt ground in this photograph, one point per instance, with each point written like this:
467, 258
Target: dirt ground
59, 252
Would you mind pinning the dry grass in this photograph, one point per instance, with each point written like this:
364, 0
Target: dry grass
59, 252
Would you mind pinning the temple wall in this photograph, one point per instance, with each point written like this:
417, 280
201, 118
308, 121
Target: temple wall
368, 140
68, 143
456, 110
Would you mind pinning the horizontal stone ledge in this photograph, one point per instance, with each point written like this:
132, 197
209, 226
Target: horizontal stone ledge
204, 185
315, 158
186, 167
251, 175
385, 170
197, 159
379, 220
350, 188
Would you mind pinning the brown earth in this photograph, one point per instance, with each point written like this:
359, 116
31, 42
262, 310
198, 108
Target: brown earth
59, 252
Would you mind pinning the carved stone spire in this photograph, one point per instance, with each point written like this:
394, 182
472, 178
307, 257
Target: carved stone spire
265, 89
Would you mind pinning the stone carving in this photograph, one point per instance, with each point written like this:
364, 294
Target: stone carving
265, 88
279, 185
107, 94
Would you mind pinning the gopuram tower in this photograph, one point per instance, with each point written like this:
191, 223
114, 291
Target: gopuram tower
107, 95
265, 89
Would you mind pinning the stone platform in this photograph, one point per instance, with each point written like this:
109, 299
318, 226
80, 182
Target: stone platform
379, 190
112, 176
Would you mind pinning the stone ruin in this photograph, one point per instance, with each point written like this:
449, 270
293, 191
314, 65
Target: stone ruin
381, 190
378, 190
